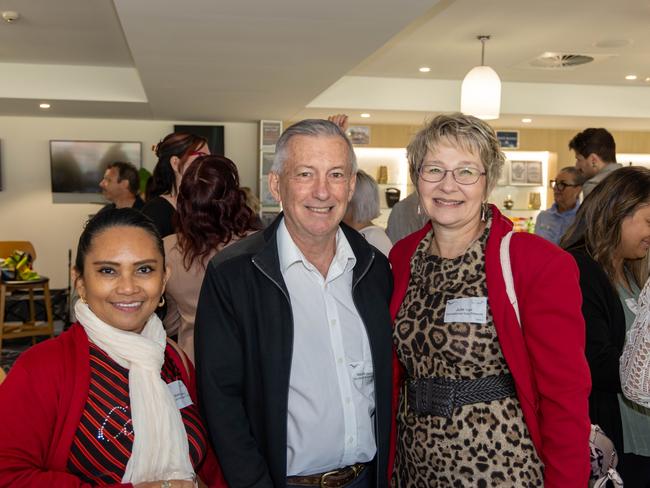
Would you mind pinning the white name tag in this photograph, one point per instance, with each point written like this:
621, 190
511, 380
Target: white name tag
180, 393
472, 310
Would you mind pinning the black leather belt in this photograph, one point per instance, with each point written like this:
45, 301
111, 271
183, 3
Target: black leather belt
440, 396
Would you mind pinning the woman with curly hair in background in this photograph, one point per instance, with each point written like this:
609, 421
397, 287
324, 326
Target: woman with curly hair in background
211, 213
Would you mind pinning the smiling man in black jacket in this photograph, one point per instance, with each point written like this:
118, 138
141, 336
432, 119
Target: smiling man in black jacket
293, 333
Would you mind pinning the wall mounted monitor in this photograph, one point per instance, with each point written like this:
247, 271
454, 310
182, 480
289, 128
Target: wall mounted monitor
77, 167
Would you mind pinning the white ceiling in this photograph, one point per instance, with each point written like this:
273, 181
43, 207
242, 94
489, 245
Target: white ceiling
244, 60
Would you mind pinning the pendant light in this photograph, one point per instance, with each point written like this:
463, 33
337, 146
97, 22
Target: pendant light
480, 93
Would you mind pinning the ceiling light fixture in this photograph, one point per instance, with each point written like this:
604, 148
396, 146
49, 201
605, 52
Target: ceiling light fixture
424, 69
10, 16
365, 116
480, 93
647, 79
44, 106
630, 77
526, 120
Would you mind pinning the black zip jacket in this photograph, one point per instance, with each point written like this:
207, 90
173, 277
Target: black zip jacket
244, 341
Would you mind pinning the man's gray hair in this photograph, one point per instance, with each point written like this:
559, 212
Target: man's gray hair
364, 205
311, 128
572, 170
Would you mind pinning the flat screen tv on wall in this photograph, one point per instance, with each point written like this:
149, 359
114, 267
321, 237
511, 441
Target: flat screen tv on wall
77, 167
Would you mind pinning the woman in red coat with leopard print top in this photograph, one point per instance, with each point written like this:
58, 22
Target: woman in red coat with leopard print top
478, 402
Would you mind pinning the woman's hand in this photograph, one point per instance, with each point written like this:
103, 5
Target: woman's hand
170, 484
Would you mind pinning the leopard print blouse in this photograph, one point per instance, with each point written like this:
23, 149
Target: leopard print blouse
482, 444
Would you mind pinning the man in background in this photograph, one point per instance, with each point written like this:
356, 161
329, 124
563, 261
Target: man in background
551, 224
120, 186
595, 152
405, 218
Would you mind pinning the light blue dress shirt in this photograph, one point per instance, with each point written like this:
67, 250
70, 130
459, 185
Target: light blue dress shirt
551, 224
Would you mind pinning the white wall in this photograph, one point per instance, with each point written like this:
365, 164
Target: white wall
26, 208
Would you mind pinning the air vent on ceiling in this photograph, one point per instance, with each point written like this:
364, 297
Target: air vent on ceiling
560, 60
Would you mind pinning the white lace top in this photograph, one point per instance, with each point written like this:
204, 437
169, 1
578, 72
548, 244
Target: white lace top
635, 361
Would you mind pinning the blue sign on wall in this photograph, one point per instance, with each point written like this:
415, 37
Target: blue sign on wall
508, 139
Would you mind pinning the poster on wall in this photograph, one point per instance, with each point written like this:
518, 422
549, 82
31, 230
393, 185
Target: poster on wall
266, 198
359, 134
270, 131
508, 139
534, 173
267, 162
526, 173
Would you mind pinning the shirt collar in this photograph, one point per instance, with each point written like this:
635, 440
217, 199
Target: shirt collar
290, 254
571, 211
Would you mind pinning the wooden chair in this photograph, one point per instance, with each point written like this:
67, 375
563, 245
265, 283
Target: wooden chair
30, 328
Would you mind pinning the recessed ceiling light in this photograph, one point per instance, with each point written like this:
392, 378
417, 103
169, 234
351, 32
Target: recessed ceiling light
526, 120
630, 77
44, 106
365, 116
424, 69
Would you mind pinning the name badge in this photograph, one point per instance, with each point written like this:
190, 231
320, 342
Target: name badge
473, 310
180, 394
362, 373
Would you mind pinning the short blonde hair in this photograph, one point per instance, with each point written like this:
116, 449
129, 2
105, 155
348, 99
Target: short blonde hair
463, 131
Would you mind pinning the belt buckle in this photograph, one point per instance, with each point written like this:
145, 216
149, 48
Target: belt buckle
323, 478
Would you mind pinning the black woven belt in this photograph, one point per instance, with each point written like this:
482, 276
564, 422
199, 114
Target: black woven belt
440, 396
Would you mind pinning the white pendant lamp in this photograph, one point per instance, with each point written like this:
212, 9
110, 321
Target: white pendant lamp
480, 93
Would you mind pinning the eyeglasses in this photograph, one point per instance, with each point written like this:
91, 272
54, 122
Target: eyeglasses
561, 185
462, 176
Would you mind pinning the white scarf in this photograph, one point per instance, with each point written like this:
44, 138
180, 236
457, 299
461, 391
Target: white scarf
160, 448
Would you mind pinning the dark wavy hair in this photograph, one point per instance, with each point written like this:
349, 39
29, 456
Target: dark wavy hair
211, 208
177, 144
115, 217
596, 141
597, 225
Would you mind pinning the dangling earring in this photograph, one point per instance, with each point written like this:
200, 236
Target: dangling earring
419, 209
161, 303
83, 299
484, 211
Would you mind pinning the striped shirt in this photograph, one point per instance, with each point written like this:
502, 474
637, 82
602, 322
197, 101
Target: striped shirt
103, 442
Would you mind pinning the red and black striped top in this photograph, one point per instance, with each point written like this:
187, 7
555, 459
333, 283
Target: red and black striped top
102, 444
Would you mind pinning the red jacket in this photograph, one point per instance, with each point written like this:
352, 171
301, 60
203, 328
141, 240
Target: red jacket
547, 361
41, 403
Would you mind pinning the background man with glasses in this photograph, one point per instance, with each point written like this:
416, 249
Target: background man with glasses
552, 223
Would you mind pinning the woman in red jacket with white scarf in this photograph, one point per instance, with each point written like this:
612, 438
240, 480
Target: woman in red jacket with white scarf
109, 402
480, 401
